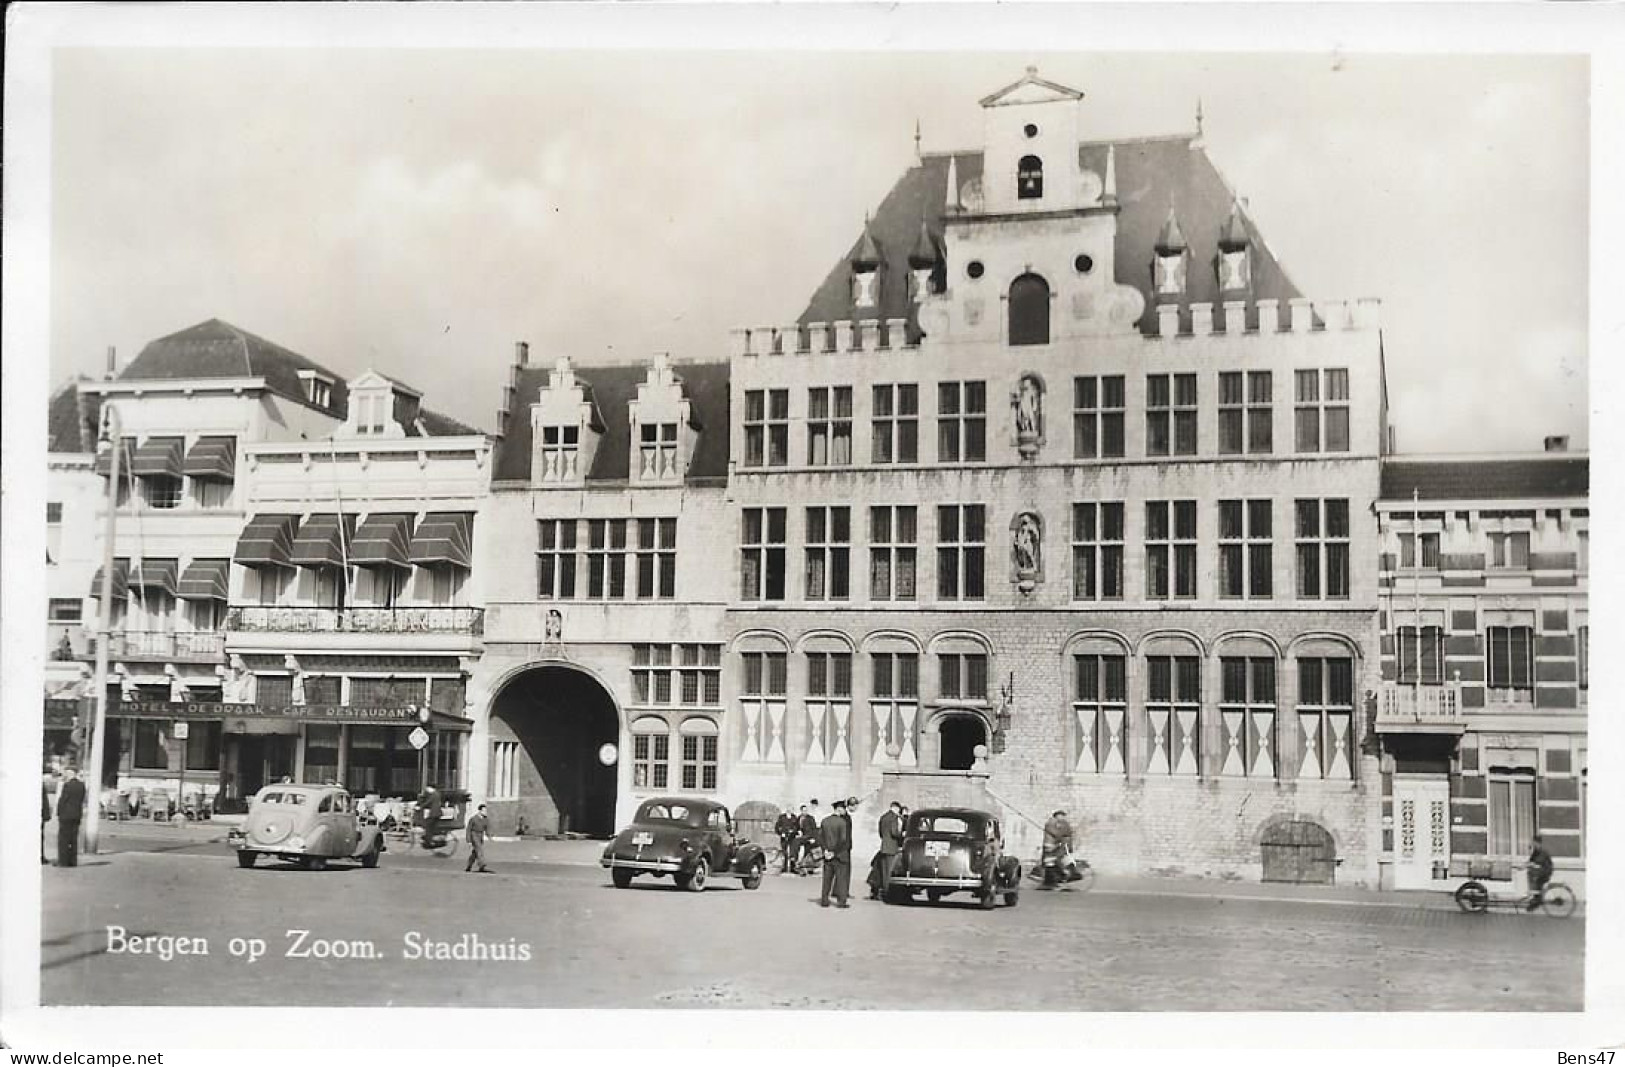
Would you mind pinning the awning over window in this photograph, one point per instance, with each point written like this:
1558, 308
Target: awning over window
444, 537
121, 580
214, 458
320, 541
104, 459
267, 541
383, 541
205, 579
159, 457
160, 574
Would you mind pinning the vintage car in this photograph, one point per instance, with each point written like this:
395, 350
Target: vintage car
691, 840
953, 850
307, 825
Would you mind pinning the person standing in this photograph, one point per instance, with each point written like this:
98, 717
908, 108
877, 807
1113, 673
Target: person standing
44, 815
891, 843
835, 835
70, 811
1540, 872
785, 827
478, 826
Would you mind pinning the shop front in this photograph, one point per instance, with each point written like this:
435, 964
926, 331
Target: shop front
209, 755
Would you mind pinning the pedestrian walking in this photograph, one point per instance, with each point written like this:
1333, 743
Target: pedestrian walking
1540, 872
891, 843
70, 811
835, 836
479, 824
785, 827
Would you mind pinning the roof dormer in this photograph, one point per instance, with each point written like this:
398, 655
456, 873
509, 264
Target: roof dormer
380, 407
317, 387
664, 427
565, 429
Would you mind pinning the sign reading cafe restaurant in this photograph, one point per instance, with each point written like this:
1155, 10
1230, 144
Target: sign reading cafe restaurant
406, 715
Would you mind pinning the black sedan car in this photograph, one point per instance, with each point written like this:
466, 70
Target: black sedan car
691, 840
954, 850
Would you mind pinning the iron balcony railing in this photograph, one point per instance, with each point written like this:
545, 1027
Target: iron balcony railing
422, 620
1406, 704
142, 644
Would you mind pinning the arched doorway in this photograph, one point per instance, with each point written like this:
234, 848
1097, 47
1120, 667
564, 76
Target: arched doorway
960, 734
1029, 311
1298, 851
547, 727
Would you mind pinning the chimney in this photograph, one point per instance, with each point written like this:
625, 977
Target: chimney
112, 363
1557, 443
521, 353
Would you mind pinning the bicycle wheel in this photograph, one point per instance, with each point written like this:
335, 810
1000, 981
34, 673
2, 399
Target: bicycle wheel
1558, 900
773, 857
449, 847
1472, 897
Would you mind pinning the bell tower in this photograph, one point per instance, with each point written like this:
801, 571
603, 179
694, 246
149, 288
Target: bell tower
1031, 130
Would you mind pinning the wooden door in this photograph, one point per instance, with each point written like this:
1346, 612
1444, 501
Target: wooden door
1421, 831
1300, 852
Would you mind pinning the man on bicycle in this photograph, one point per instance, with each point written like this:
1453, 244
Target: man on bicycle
1057, 849
1540, 872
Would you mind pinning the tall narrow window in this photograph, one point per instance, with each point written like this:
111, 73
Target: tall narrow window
1336, 410
1420, 654
1099, 708
892, 548
1322, 412
1510, 550
1511, 654
658, 449
1029, 311
1170, 415
556, 559
895, 424
651, 753
1583, 649
961, 546
606, 559
1511, 814
560, 448
53, 532
1260, 412
894, 701
1097, 551
829, 426
1170, 549
1030, 178
699, 762
961, 422
657, 559
767, 427
1246, 551
1173, 713
1430, 550
762, 554
1247, 715
1244, 412
828, 551
1322, 528
1308, 411
1326, 717
1097, 419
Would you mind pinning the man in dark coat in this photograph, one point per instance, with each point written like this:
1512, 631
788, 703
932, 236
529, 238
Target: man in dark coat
70, 811
807, 834
1057, 849
891, 843
835, 835
479, 824
785, 827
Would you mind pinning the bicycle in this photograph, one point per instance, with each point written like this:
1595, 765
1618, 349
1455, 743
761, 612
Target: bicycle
439, 842
1076, 872
1557, 899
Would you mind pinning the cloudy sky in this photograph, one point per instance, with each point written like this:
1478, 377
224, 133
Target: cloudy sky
419, 211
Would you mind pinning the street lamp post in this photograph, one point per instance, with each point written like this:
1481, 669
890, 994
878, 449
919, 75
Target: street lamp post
113, 432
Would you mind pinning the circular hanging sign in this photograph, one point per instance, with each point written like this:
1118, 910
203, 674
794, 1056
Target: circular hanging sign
607, 754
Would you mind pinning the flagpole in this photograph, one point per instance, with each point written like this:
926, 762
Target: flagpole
1416, 591
113, 429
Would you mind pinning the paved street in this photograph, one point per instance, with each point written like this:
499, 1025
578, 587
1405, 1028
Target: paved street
1126, 945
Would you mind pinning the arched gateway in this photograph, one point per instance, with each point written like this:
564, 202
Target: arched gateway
548, 726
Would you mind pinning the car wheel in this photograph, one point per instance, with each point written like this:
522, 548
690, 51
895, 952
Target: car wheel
246, 858
753, 880
621, 876
369, 858
695, 882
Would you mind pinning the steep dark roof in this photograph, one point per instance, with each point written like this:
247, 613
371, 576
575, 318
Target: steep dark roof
612, 388
72, 420
217, 349
434, 424
1487, 479
1153, 175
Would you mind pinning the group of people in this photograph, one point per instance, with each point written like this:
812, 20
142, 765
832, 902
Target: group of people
809, 843
70, 815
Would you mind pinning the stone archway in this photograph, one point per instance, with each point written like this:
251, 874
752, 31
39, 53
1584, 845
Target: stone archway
548, 724
959, 733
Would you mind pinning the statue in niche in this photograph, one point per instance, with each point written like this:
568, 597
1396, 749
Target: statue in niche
1027, 551
1029, 403
555, 625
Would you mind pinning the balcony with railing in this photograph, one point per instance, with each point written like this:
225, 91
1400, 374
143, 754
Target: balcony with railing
206, 646
1409, 708
357, 620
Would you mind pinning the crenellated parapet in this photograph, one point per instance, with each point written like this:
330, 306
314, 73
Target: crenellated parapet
865, 335
1267, 317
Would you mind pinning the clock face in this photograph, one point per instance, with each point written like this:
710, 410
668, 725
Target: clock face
1090, 186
